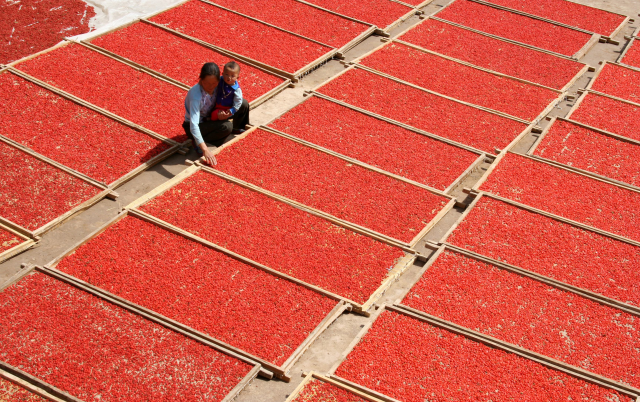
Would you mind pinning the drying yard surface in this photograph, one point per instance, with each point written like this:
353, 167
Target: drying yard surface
435, 200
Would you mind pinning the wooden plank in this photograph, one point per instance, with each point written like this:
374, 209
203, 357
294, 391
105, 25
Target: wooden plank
91, 106
519, 137
472, 168
587, 294
34, 384
563, 220
511, 348
15, 250
17, 229
270, 94
134, 65
412, 11
584, 172
376, 396
233, 394
397, 123
614, 97
358, 39
315, 334
66, 169
37, 54
393, 276
595, 38
340, 222
533, 16
600, 131
465, 63
266, 23
152, 316
504, 39
619, 28
486, 174
597, 74
461, 218
353, 161
421, 272
356, 340
300, 387
541, 136
576, 104
452, 202
228, 53
483, 108
355, 390
624, 52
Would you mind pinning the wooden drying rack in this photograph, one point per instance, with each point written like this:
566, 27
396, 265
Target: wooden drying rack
486, 340
83, 286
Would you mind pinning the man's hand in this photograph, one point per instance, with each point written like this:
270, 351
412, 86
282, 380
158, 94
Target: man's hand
224, 114
207, 155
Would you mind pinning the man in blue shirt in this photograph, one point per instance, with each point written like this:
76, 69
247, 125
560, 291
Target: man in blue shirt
199, 103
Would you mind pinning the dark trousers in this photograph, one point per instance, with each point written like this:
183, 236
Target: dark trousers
215, 131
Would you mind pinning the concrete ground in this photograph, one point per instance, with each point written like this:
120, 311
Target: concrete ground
328, 348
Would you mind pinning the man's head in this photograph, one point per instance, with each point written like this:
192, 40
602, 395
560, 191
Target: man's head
209, 77
231, 72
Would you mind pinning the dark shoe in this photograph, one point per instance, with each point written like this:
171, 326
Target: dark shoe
238, 131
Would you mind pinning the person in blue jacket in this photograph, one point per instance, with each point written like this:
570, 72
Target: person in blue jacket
200, 103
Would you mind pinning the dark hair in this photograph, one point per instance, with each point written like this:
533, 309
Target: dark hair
233, 66
209, 69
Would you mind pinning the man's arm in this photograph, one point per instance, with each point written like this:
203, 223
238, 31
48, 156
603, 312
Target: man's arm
193, 106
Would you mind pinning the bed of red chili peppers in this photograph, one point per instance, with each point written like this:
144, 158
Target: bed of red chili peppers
300, 18
435, 114
8, 240
587, 149
460, 81
413, 361
632, 57
114, 86
321, 391
493, 54
94, 350
29, 27
610, 115
381, 13
520, 28
277, 235
330, 184
34, 192
70, 134
570, 13
180, 58
241, 35
376, 142
531, 314
567, 194
619, 81
11, 392
199, 287
552, 248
